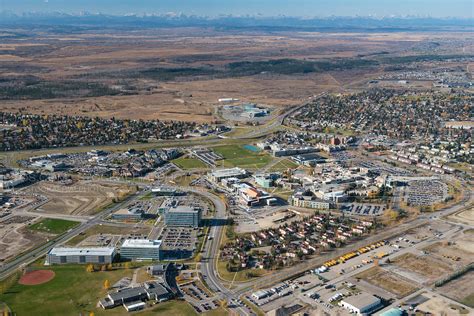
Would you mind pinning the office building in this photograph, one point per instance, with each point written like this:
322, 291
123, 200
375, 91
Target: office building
140, 249
63, 255
221, 174
183, 216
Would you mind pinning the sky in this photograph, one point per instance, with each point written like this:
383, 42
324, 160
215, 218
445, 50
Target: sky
308, 8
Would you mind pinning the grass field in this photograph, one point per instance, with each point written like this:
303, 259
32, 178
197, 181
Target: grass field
239, 276
53, 226
469, 300
189, 163
74, 291
283, 166
283, 193
237, 156
254, 308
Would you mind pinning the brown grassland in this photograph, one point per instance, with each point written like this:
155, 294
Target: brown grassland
122, 60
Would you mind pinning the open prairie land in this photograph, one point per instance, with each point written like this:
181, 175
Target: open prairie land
179, 74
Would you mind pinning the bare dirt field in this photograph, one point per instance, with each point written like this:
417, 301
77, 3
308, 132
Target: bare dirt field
465, 217
81, 198
388, 281
458, 252
460, 289
429, 267
439, 305
15, 238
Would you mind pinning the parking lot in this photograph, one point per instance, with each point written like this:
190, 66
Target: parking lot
199, 298
104, 240
425, 192
363, 209
207, 156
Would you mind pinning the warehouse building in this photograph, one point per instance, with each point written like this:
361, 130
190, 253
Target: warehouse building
183, 216
63, 255
140, 249
362, 304
132, 214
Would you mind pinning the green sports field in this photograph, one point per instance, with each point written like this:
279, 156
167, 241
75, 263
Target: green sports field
237, 156
53, 226
189, 163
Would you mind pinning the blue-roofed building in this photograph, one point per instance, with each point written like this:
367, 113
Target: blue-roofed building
393, 312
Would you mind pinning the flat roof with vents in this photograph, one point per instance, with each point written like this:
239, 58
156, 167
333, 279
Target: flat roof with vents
97, 251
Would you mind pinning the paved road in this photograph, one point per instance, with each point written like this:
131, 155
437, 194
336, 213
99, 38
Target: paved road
208, 266
319, 260
34, 254
263, 130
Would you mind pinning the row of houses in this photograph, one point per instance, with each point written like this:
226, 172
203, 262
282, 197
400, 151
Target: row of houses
131, 163
294, 240
422, 163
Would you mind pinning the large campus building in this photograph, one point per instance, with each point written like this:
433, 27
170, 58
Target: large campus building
140, 249
309, 202
98, 255
221, 174
183, 216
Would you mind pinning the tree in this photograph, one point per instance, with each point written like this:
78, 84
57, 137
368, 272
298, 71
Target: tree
91, 314
198, 258
223, 303
109, 267
127, 265
90, 268
106, 284
103, 268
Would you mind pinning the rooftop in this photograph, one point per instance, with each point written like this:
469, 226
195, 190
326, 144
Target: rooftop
98, 251
183, 209
141, 243
362, 300
127, 293
228, 172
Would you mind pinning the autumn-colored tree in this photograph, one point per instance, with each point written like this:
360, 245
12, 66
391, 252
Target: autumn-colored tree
91, 314
109, 267
106, 284
127, 265
223, 303
90, 268
198, 258
103, 268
